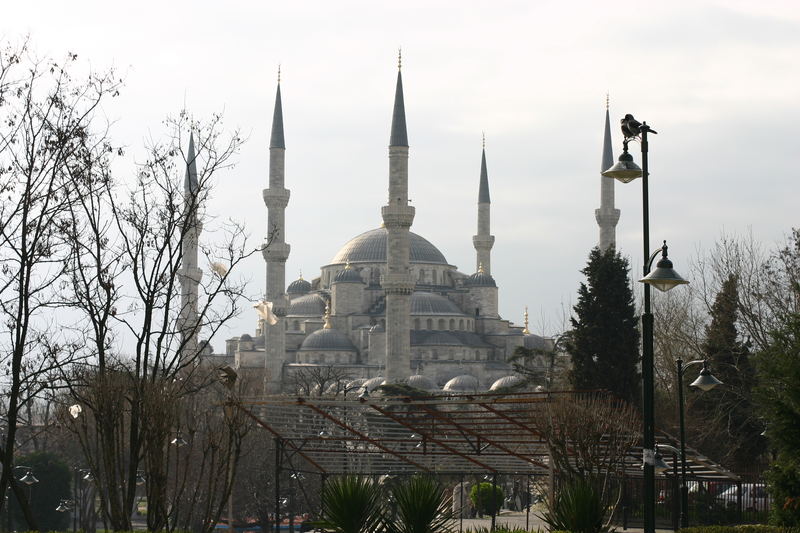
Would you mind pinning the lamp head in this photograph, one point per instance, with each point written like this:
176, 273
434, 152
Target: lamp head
705, 381
624, 170
29, 478
663, 277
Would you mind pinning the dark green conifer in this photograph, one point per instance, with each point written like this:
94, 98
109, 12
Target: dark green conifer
604, 340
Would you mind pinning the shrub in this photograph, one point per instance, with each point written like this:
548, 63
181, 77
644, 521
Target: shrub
487, 498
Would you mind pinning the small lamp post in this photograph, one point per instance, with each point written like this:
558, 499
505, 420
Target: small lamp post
705, 382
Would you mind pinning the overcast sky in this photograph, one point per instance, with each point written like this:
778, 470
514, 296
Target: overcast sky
719, 81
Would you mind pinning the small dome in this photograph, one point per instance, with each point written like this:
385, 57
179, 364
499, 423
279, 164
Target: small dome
464, 383
421, 382
348, 275
307, 305
428, 303
506, 382
480, 279
373, 383
298, 286
245, 338
327, 340
370, 247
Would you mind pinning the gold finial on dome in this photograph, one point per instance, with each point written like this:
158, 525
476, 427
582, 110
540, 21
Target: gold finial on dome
327, 317
525, 331
347, 265
480, 269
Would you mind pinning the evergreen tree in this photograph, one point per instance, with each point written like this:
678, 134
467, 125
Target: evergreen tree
778, 395
724, 421
604, 340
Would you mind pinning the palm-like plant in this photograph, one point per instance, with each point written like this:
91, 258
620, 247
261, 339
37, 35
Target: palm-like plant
578, 508
422, 506
351, 504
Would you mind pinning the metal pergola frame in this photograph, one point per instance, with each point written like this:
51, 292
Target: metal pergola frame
453, 434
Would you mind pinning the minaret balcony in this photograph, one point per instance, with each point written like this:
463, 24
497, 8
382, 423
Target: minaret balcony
397, 215
605, 216
276, 252
397, 283
193, 274
483, 242
276, 198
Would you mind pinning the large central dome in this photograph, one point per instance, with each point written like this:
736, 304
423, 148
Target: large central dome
370, 247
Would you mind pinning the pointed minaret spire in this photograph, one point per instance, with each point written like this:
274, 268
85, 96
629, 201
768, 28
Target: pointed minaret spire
397, 219
276, 198
607, 216
189, 274
399, 136
483, 241
276, 139
190, 181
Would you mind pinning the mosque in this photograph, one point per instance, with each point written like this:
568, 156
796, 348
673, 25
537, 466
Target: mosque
389, 307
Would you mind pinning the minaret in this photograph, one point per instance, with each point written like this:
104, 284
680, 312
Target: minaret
397, 218
607, 217
483, 241
189, 274
276, 198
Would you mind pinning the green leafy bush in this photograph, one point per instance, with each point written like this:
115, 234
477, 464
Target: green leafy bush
487, 498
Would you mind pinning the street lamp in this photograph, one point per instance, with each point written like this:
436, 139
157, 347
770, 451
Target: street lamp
664, 278
705, 382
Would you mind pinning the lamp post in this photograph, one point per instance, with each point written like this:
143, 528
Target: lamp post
663, 278
705, 382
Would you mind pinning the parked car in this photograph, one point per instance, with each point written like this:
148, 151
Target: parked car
754, 497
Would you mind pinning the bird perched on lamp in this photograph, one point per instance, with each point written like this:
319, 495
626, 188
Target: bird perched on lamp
630, 126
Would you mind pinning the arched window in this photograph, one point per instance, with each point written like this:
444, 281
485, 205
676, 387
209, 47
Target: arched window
434, 354
461, 324
336, 358
416, 323
477, 355
441, 323
429, 323
452, 324
434, 276
296, 325
421, 277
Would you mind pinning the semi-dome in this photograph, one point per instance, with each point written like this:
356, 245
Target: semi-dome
299, 286
428, 303
480, 279
327, 340
307, 305
348, 275
506, 382
464, 383
418, 381
370, 247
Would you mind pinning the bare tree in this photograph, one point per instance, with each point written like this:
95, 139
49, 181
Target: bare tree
589, 436
315, 381
128, 257
46, 116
